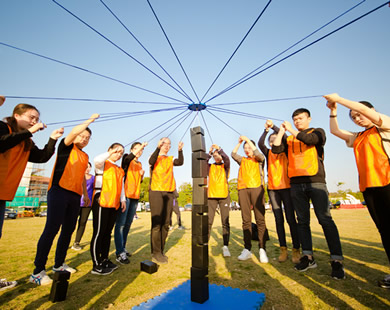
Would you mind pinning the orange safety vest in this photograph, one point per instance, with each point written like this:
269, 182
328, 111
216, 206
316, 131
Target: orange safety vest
302, 158
12, 165
162, 175
371, 159
133, 180
218, 185
277, 171
112, 180
73, 175
249, 175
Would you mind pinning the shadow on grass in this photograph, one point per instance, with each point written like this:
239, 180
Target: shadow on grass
105, 289
246, 274
358, 285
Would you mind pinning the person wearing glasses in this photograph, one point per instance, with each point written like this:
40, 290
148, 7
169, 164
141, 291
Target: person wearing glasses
162, 186
16, 149
67, 184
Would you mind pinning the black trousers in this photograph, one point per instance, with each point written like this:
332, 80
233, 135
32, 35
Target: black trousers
62, 211
224, 206
83, 218
103, 222
378, 204
161, 204
276, 198
247, 198
178, 215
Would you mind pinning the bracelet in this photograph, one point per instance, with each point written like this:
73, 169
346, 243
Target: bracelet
332, 116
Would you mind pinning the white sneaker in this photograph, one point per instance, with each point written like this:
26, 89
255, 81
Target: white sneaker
40, 278
263, 256
65, 267
245, 254
225, 251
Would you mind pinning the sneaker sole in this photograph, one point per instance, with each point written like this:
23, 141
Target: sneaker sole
243, 259
308, 267
122, 263
100, 273
336, 278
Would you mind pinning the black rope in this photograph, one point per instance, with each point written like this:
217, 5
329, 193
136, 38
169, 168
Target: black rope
239, 113
89, 71
118, 47
173, 50
299, 50
146, 50
223, 122
207, 128
239, 45
265, 100
157, 127
93, 100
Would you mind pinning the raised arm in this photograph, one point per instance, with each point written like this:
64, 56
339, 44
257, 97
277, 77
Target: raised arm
333, 123
371, 114
179, 161
79, 129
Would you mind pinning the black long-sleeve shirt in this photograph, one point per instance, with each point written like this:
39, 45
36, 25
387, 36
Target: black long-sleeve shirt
225, 162
317, 138
261, 142
9, 140
179, 161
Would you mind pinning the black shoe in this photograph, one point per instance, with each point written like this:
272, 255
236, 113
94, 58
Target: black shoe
337, 270
109, 264
127, 253
159, 258
385, 283
305, 263
122, 259
100, 270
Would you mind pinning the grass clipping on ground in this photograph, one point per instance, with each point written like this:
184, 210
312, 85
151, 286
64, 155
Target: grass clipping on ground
365, 263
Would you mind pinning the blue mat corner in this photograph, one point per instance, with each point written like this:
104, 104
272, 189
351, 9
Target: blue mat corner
221, 297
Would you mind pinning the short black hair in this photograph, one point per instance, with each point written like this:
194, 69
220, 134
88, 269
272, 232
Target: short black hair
366, 103
300, 111
89, 130
254, 143
116, 144
272, 134
134, 144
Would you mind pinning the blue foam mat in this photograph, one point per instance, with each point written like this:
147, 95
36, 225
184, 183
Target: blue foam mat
221, 297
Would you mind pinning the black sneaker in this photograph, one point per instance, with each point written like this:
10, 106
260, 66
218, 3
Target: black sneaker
337, 270
159, 258
109, 264
122, 259
385, 283
100, 270
127, 253
4, 284
305, 263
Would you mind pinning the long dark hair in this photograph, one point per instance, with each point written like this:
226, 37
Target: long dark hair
20, 109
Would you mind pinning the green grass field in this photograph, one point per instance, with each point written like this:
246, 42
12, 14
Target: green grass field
365, 263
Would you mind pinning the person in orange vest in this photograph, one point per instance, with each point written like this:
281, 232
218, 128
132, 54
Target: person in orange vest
109, 199
218, 192
250, 185
67, 184
372, 151
133, 178
305, 149
162, 186
278, 192
16, 149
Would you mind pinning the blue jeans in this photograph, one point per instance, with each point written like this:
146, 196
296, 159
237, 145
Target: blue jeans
2, 214
123, 224
318, 193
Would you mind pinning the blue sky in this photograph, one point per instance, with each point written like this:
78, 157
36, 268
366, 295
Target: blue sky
353, 62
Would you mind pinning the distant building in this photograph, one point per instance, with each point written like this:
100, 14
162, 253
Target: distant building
32, 190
